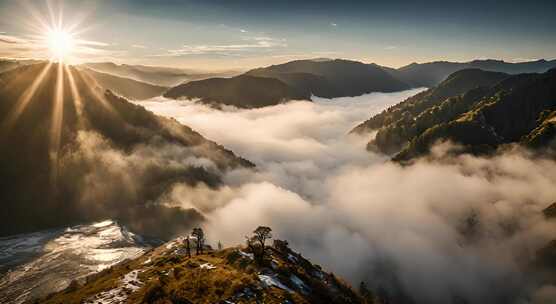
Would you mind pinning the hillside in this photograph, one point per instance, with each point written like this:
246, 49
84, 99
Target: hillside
241, 91
293, 80
500, 109
433, 73
402, 122
72, 152
168, 275
128, 88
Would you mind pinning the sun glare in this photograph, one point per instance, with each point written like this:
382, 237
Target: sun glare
60, 44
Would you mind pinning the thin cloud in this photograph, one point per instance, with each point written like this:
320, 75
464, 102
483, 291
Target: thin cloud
20, 47
333, 24
250, 44
4, 38
138, 46
92, 43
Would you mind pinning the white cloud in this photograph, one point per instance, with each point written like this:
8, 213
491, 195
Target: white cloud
333, 24
368, 219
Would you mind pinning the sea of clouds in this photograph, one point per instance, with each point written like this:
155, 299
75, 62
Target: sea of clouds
436, 231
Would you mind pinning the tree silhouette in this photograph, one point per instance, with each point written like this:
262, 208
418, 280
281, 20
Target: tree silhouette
200, 235
260, 235
188, 247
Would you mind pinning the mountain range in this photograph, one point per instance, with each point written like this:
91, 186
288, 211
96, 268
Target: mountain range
65, 140
432, 73
297, 80
333, 78
478, 109
162, 76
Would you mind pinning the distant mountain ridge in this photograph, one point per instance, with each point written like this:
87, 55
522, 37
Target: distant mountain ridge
161, 76
478, 109
432, 73
300, 80
126, 87
330, 78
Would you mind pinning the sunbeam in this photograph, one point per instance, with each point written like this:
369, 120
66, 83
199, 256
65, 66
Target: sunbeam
76, 97
56, 127
92, 85
25, 98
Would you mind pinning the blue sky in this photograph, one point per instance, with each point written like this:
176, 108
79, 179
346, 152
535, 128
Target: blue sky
243, 34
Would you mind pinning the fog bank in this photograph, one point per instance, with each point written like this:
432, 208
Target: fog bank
436, 232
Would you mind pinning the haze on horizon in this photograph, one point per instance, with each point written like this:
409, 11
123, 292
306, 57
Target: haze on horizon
220, 35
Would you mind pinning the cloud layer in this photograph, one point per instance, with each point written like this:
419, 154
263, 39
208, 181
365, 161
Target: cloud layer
433, 232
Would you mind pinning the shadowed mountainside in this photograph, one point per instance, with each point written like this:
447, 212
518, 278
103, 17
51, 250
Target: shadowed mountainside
478, 109
72, 152
241, 91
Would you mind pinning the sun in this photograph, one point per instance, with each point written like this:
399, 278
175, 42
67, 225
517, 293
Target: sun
60, 43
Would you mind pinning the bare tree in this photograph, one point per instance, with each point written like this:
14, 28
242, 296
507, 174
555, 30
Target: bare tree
260, 235
200, 235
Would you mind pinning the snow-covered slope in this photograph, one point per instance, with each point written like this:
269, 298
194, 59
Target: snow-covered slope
32, 265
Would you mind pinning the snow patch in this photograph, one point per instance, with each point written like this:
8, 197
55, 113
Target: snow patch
246, 255
269, 281
129, 284
292, 258
103, 224
207, 266
299, 284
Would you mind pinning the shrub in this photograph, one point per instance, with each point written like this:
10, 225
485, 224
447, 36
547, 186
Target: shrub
154, 292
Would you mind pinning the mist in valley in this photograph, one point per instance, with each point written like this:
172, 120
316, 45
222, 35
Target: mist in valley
456, 227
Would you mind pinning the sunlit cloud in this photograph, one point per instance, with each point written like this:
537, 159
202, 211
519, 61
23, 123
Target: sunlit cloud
138, 46
4, 38
250, 44
50, 34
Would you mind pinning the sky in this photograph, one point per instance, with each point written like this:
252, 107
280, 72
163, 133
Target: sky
221, 35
